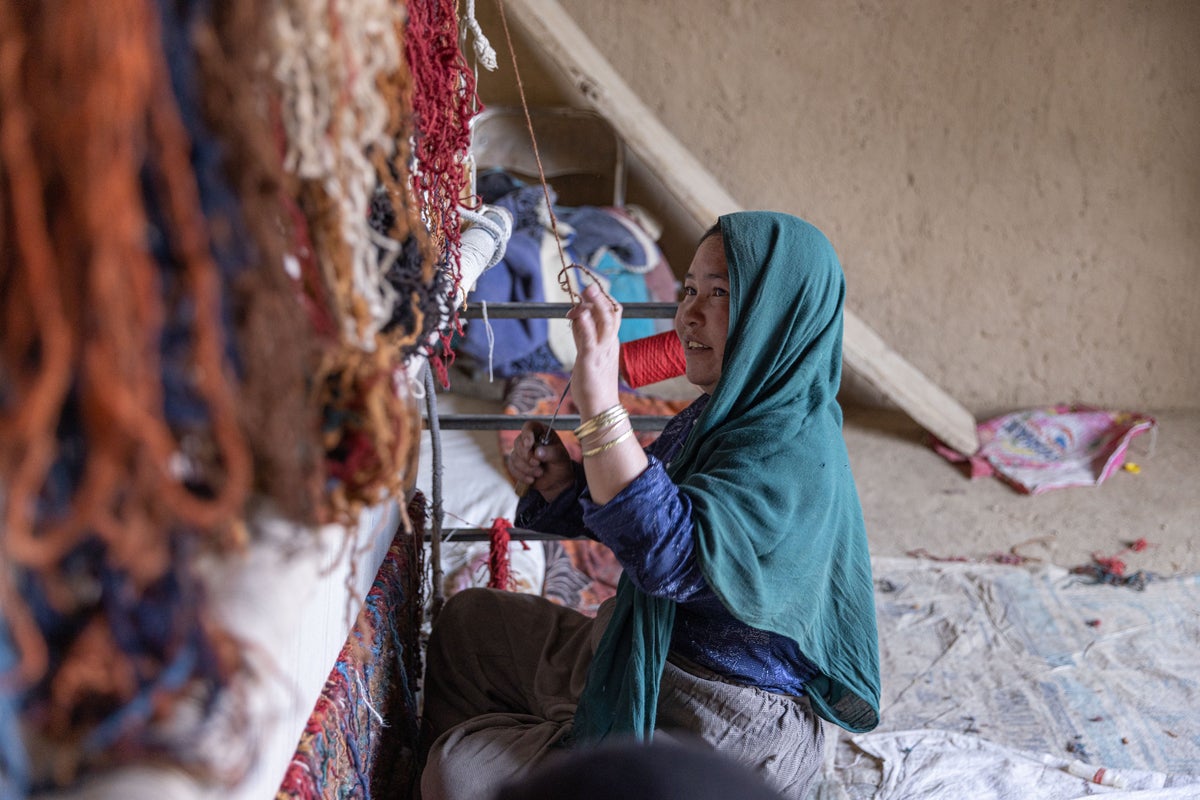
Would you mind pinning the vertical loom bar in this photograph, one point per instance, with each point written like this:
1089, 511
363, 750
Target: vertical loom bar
552, 31
435, 535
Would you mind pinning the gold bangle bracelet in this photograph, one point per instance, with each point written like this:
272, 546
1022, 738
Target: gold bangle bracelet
601, 426
608, 445
591, 438
604, 419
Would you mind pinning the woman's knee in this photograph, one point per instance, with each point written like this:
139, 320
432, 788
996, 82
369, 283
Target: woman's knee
467, 605
470, 609
457, 625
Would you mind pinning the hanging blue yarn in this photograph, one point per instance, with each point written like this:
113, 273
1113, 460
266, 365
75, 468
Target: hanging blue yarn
229, 242
14, 764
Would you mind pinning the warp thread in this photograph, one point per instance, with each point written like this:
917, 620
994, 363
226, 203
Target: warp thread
491, 340
564, 272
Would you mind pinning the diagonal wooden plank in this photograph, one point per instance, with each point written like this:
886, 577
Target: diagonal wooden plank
865, 352
551, 29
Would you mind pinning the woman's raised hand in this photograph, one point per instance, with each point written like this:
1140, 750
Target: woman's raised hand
594, 324
545, 467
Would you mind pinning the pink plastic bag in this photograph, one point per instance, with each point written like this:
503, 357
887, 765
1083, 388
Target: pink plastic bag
1054, 447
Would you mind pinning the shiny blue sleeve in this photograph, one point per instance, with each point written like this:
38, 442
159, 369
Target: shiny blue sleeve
648, 526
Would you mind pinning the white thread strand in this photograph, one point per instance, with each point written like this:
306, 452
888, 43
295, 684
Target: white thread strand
415, 385
484, 52
366, 700
491, 337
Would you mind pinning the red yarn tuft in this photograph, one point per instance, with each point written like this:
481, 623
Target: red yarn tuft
1112, 565
498, 555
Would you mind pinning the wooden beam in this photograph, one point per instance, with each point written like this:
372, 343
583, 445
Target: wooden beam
927, 403
548, 26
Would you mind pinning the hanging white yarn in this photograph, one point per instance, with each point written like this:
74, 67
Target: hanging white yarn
302, 44
334, 115
484, 52
369, 49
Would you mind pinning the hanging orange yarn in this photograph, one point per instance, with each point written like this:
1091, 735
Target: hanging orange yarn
88, 126
110, 244
83, 302
94, 147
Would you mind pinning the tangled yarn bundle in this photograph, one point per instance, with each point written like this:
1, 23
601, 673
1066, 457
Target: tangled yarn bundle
216, 254
122, 449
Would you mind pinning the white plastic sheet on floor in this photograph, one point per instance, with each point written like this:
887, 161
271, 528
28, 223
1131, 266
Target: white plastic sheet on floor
997, 678
939, 764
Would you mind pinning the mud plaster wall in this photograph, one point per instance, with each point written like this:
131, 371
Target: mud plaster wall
1013, 187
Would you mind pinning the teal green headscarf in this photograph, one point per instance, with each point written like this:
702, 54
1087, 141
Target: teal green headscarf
778, 526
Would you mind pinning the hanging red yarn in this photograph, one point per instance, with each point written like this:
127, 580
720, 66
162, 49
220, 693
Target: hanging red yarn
443, 102
498, 565
652, 359
443, 94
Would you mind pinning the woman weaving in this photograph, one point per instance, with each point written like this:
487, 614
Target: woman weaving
745, 610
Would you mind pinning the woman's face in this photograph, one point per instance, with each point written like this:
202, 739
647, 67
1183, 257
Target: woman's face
702, 319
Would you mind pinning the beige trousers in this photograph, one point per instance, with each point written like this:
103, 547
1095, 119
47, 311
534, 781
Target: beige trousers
504, 672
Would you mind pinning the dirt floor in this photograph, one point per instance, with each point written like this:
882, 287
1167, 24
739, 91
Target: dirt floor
916, 501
